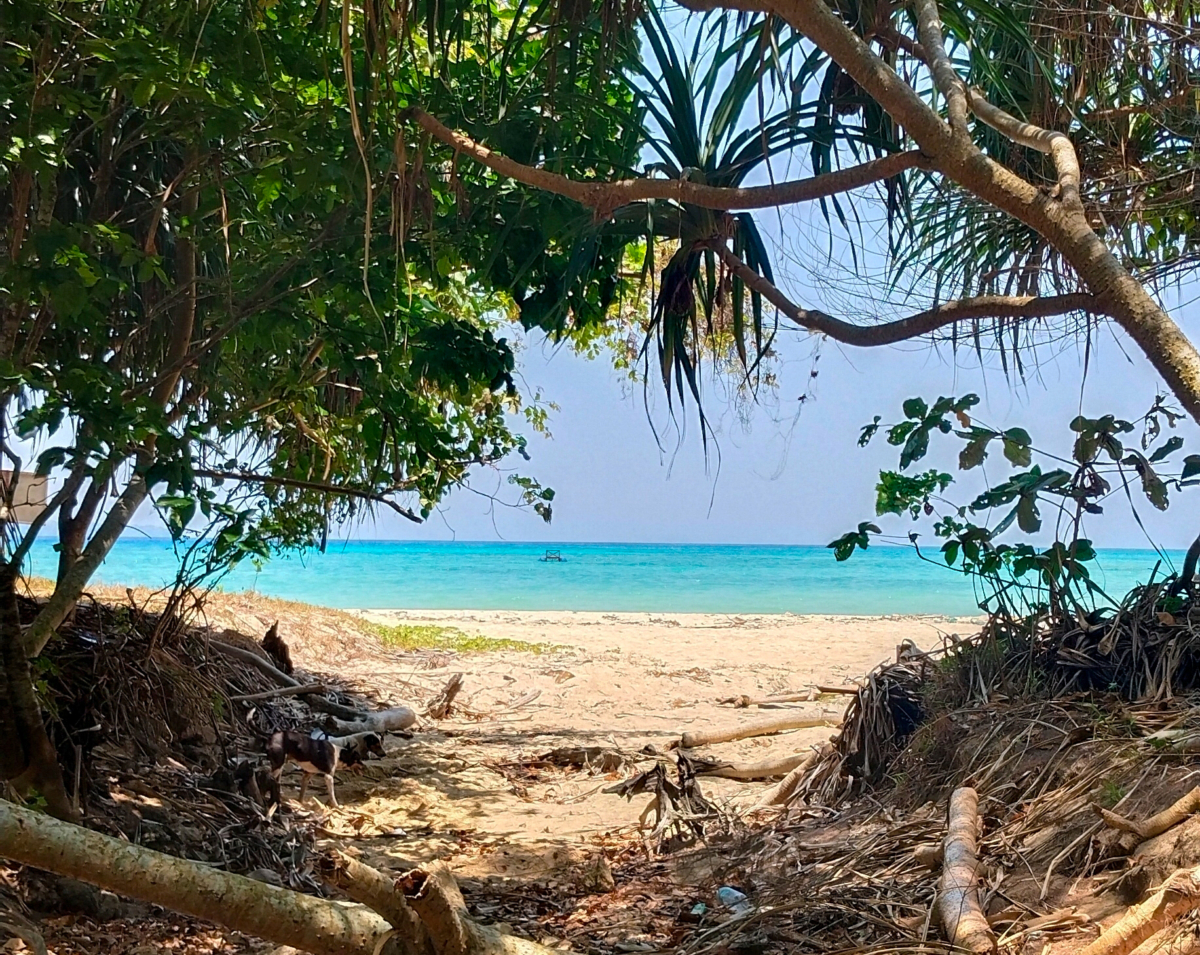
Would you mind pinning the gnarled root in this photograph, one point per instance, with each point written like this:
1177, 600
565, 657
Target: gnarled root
1177, 896
1157, 824
379, 892
434, 895
958, 905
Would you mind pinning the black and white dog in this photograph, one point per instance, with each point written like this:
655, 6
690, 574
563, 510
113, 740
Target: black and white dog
320, 755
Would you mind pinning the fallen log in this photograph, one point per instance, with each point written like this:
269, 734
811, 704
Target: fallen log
426, 904
280, 691
434, 895
1177, 896
766, 769
234, 901
384, 721
958, 905
1157, 824
695, 738
743, 701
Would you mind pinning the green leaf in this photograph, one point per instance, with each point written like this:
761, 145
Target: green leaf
1191, 467
1017, 447
915, 408
1028, 518
144, 92
1168, 447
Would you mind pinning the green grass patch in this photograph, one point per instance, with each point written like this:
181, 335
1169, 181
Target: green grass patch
407, 636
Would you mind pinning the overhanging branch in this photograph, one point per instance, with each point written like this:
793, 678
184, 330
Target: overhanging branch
249, 477
605, 197
914, 326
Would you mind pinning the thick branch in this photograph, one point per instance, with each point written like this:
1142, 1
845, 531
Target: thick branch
251, 478
923, 323
604, 197
929, 29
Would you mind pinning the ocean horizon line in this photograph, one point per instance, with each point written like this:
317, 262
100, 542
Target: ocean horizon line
605, 577
877, 544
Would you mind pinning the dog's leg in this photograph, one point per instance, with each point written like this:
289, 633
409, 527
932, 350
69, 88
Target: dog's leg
304, 785
329, 785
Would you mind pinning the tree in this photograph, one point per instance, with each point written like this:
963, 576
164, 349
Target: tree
226, 291
1037, 162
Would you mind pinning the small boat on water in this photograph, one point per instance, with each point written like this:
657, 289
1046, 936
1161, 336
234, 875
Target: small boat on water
552, 555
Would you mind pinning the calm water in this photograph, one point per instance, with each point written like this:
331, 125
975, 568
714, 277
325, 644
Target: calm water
677, 578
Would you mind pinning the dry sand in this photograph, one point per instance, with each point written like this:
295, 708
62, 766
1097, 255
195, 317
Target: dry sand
468, 789
464, 789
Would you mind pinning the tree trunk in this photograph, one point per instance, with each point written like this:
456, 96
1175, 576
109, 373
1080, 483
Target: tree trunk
70, 588
279, 915
27, 757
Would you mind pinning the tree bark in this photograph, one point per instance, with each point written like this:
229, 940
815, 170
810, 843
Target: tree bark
70, 588
245, 905
434, 895
379, 892
1177, 896
27, 757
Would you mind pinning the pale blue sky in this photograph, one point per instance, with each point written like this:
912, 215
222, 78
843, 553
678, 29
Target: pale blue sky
784, 479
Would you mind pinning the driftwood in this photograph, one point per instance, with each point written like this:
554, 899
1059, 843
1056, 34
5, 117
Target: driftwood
765, 769
265, 667
695, 738
1177, 896
1157, 824
280, 691
442, 705
384, 721
743, 701
958, 905
434, 895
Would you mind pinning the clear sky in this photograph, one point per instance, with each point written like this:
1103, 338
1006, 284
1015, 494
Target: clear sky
793, 475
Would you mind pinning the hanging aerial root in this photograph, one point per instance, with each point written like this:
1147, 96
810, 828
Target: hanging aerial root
958, 905
1157, 824
1177, 896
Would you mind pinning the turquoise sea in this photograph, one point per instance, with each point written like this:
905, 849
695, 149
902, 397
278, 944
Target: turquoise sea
667, 578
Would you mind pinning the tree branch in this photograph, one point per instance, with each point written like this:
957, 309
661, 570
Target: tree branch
70, 585
604, 197
914, 326
929, 29
1055, 144
251, 478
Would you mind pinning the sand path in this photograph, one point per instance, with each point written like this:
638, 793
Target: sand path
464, 789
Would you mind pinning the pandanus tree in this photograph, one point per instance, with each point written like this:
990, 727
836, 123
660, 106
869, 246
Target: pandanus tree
1036, 161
